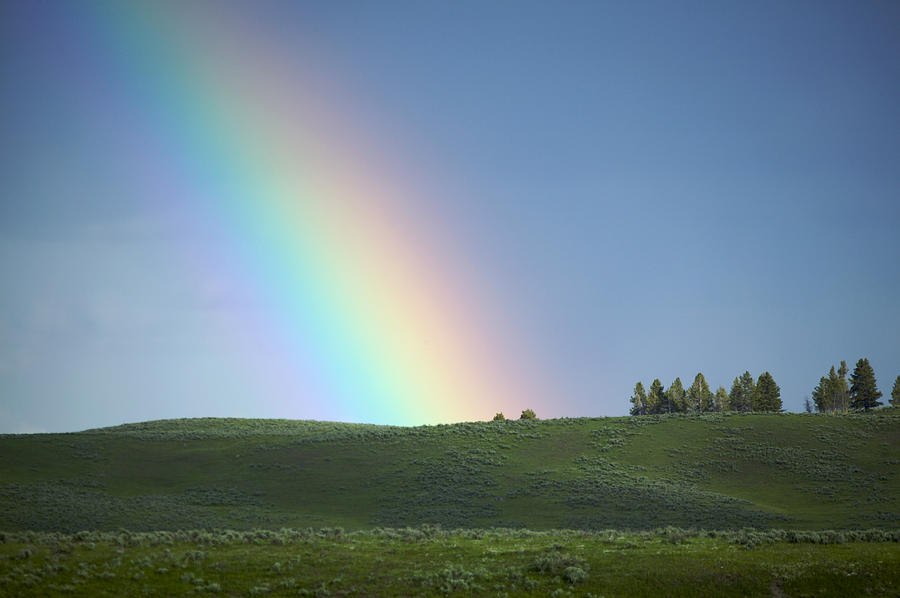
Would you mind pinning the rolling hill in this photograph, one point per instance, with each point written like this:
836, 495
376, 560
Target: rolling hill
714, 471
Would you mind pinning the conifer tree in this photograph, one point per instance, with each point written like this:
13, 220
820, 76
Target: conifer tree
767, 396
821, 395
676, 396
895, 393
699, 397
842, 393
864, 393
832, 389
721, 399
833, 384
667, 406
741, 394
656, 399
734, 395
832, 393
639, 400
749, 387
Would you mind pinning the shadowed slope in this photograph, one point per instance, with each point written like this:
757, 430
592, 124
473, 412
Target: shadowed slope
713, 471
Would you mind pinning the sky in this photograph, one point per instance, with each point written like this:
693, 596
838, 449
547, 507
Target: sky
421, 212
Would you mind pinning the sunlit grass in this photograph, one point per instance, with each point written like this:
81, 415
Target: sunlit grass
329, 509
431, 561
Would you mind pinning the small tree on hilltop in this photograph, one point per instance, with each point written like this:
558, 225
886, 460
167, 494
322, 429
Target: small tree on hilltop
864, 393
825, 391
895, 393
820, 394
656, 400
736, 397
676, 397
500, 417
828, 391
832, 393
767, 396
742, 389
639, 400
842, 391
699, 396
721, 399
528, 414
834, 401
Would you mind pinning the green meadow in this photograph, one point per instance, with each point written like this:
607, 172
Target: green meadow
680, 505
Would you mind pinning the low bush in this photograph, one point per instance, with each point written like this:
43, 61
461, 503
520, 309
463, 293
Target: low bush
574, 574
557, 562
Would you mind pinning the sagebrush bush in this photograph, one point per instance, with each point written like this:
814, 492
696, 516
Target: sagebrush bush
574, 574
557, 562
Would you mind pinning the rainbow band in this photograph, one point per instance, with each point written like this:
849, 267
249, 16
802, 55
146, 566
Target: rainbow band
363, 310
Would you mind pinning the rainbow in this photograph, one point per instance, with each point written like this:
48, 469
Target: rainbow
362, 308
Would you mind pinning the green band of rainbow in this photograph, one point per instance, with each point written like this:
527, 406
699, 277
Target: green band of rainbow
365, 310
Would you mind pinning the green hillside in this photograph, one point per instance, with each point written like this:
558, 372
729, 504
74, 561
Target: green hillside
723, 471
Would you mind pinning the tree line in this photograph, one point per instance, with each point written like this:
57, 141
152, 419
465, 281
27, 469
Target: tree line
745, 395
833, 393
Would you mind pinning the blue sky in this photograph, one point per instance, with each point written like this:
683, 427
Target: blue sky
654, 189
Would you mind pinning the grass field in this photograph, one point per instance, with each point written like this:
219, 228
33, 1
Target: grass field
714, 471
430, 561
727, 472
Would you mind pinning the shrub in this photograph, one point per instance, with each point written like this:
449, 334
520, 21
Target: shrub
557, 562
674, 535
574, 574
500, 417
528, 414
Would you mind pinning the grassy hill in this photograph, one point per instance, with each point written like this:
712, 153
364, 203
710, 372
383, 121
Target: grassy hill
722, 471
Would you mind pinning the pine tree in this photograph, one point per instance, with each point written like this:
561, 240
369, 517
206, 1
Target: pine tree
639, 400
699, 397
767, 396
676, 396
833, 390
734, 395
741, 394
864, 393
895, 393
721, 399
832, 400
842, 394
832, 393
657, 398
821, 395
